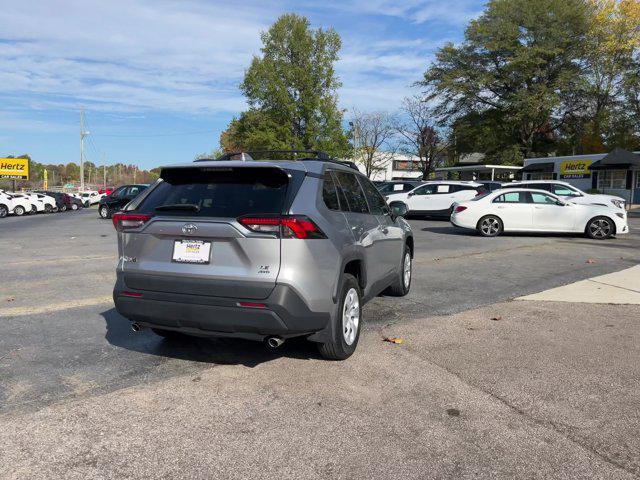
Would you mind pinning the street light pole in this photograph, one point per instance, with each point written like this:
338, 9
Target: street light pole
82, 135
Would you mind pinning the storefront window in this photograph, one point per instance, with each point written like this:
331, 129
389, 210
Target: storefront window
612, 179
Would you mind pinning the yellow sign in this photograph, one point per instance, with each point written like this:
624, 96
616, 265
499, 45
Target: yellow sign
575, 169
16, 168
45, 183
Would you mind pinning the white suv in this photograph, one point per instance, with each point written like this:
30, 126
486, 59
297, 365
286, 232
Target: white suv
569, 192
11, 204
436, 198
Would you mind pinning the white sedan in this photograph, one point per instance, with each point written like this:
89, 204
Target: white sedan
528, 210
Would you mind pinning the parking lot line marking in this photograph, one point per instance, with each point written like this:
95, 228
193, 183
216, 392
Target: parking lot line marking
54, 307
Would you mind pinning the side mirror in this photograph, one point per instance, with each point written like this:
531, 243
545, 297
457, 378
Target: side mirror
560, 203
410, 194
398, 209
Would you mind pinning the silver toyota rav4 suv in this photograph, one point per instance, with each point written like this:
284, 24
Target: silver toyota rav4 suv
260, 249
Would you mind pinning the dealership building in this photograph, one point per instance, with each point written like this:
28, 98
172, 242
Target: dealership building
614, 173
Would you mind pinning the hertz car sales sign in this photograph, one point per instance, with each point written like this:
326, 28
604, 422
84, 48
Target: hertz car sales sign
16, 168
575, 169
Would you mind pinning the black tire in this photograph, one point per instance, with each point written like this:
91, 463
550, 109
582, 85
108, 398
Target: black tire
48, 208
104, 212
337, 348
63, 208
87, 204
34, 210
401, 286
168, 334
4, 211
19, 210
56, 209
74, 206
600, 228
490, 226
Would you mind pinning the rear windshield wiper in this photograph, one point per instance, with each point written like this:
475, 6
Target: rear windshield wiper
179, 206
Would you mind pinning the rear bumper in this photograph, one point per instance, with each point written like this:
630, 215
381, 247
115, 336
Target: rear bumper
285, 314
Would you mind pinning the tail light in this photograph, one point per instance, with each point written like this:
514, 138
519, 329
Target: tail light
127, 221
291, 226
460, 208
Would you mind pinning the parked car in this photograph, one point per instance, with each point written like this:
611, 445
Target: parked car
32, 204
11, 204
63, 201
569, 192
399, 186
106, 191
110, 204
262, 250
90, 198
436, 198
528, 210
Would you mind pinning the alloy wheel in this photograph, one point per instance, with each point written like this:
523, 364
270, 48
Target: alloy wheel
490, 226
350, 316
600, 228
406, 270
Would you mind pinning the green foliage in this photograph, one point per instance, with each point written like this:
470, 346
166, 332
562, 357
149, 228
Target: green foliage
509, 71
544, 76
291, 90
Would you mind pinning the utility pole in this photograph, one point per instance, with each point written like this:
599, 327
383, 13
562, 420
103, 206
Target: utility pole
104, 173
82, 135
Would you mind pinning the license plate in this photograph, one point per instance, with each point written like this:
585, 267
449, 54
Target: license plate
191, 251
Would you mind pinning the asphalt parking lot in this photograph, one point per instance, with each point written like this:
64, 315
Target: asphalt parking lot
548, 395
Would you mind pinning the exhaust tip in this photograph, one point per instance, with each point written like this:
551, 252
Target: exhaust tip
274, 342
136, 327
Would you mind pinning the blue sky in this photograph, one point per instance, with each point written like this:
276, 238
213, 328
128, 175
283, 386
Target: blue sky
159, 79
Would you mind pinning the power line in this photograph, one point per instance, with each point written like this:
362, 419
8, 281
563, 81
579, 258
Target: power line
173, 134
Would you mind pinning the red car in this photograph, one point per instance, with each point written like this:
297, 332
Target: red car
107, 190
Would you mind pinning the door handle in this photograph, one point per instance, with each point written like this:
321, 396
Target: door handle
539, 208
501, 207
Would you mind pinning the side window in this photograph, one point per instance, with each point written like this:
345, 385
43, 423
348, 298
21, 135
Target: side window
542, 198
425, 190
133, 191
543, 186
118, 193
377, 205
511, 197
562, 190
352, 190
406, 187
329, 193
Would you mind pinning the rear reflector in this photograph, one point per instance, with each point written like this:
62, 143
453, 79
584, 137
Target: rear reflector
460, 208
290, 226
125, 221
251, 305
131, 294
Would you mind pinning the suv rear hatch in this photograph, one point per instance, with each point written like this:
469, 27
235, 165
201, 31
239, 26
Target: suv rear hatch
188, 235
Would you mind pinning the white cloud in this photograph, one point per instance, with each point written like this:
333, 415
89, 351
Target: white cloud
188, 57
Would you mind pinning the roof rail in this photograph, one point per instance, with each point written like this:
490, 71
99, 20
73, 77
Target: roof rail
305, 155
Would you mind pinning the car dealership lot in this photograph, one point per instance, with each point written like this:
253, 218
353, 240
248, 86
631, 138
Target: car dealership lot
540, 388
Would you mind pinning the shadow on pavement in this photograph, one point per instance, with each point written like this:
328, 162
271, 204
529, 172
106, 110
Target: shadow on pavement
222, 351
450, 230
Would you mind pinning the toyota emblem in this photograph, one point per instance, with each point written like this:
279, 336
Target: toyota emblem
189, 229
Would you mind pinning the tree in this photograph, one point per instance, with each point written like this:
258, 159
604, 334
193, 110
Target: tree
373, 135
419, 135
515, 60
291, 89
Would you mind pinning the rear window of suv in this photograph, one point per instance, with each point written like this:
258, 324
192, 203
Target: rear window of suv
218, 192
